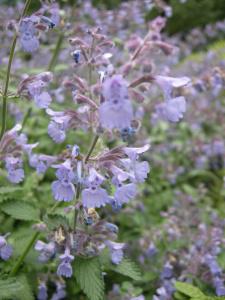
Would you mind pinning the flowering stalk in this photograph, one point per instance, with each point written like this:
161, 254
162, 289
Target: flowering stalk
56, 53
11, 55
75, 209
91, 148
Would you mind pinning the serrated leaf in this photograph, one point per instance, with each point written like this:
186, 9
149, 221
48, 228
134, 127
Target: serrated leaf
20, 210
89, 276
189, 290
15, 288
128, 268
9, 189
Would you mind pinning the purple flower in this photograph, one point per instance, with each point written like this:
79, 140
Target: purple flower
63, 189
42, 291
151, 251
6, 252
57, 126
14, 169
41, 98
167, 84
112, 227
167, 272
219, 286
116, 111
116, 251
172, 110
138, 171
94, 195
115, 115
2, 241
5, 249
47, 251
28, 35
60, 292
41, 162
125, 192
65, 268
211, 262
132, 152
218, 147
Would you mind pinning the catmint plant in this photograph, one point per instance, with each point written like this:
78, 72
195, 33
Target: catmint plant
99, 99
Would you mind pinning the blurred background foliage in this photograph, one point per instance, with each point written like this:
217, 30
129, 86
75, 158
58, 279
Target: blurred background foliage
193, 13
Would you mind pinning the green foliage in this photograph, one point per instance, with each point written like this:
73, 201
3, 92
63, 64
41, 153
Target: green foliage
189, 15
8, 192
188, 291
128, 268
89, 276
54, 221
20, 210
15, 288
9, 189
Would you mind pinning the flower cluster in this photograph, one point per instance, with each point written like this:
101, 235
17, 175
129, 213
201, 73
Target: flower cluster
6, 249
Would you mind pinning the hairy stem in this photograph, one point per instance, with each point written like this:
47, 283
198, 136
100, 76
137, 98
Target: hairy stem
26, 117
56, 53
5, 92
91, 148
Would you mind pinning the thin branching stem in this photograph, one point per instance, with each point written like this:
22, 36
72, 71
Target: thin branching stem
91, 148
5, 92
56, 53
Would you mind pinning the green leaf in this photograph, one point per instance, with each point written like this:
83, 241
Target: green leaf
15, 288
9, 192
128, 268
20, 210
189, 290
9, 189
88, 275
55, 221
180, 296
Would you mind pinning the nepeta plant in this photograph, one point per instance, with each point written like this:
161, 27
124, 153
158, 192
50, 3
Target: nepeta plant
104, 100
